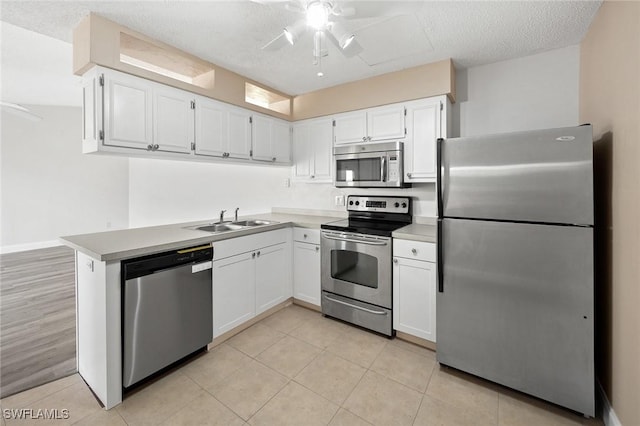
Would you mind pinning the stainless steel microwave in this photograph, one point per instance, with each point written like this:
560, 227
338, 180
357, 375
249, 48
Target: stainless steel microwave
370, 165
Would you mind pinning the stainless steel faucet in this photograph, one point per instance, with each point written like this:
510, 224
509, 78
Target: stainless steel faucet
222, 215
236, 215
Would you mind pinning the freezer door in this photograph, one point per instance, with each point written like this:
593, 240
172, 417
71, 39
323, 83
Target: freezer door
516, 307
538, 176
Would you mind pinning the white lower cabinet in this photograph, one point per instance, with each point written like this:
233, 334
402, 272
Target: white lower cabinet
250, 275
233, 292
271, 286
414, 288
306, 265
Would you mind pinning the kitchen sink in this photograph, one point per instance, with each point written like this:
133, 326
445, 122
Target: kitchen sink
220, 227
254, 222
231, 226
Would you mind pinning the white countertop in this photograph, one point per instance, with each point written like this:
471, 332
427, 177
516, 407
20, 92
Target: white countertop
417, 232
128, 243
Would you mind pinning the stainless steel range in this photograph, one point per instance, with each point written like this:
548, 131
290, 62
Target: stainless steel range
356, 261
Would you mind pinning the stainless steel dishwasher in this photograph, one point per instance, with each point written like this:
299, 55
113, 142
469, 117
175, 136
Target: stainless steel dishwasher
166, 310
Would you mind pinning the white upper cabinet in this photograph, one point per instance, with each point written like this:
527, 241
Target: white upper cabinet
128, 111
271, 139
386, 122
312, 150
238, 132
373, 124
173, 120
426, 122
222, 130
350, 127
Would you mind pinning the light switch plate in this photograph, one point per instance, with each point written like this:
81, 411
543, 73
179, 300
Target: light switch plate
339, 201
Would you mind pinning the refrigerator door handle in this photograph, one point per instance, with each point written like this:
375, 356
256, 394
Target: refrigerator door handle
439, 175
440, 262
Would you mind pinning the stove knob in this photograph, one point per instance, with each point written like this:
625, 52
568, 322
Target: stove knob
350, 203
397, 205
357, 203
404, 205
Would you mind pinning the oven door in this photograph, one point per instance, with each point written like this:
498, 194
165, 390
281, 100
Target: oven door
361, 170
357, 266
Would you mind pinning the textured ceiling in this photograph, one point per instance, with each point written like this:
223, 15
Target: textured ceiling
231, 33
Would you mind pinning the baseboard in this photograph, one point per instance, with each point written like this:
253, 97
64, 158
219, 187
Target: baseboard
307, 305
29, 246
416, 340
608, 415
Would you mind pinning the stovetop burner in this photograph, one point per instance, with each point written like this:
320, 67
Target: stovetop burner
374, 215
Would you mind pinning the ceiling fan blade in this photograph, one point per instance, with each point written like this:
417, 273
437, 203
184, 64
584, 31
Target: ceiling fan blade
377, 9
277, 43
344, 12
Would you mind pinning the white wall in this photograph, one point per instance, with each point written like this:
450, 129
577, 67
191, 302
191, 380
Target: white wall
165, 191
533, 92
49, 188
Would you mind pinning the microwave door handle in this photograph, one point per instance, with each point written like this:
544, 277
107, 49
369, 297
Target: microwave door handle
383, 168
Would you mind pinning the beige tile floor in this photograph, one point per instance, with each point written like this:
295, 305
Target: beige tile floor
299, 368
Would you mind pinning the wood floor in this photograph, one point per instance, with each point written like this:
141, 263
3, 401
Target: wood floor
37, 318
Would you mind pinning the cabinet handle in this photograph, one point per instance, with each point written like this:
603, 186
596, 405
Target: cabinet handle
409, 175
156, 146
364, 138
395, 260
273, 159
305, 235
313, 177
149, 147
414, 251
253, 255
317, 248
258, 254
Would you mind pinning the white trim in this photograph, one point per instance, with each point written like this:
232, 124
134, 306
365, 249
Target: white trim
608, 415
29, 246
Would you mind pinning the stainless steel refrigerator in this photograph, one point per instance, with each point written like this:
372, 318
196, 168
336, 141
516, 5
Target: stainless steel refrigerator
515, 302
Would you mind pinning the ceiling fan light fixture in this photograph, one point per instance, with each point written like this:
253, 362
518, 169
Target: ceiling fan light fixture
317, 15
344, 37
293, 32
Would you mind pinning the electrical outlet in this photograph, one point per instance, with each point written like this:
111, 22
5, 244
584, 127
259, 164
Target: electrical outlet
339, 201
287, 183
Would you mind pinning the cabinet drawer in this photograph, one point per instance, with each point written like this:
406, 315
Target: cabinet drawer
233, 246
306, 235
414, 250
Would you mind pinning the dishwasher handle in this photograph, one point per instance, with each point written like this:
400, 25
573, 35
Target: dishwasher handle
147, 265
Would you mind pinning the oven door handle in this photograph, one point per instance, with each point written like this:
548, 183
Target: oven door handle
371, 311
356, 240
383, 169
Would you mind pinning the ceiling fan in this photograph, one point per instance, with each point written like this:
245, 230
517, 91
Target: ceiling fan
319, 20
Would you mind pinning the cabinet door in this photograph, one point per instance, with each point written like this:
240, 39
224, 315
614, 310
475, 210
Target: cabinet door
350, 127
271, 139
386, 122
127, 111
306, 272
233, 292
313, 150
211, 128
272, 276
302, 151
281, 141
414, 297
92, 102
173, 119
238, 132
261, 138
424, 129
321, 132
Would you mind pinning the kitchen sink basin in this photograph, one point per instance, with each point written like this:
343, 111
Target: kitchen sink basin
230, 226
254, 222
220, 227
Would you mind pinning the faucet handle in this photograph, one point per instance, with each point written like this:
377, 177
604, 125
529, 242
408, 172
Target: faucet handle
236, 214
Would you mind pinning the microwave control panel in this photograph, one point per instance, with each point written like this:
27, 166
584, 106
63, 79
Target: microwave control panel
394, 173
